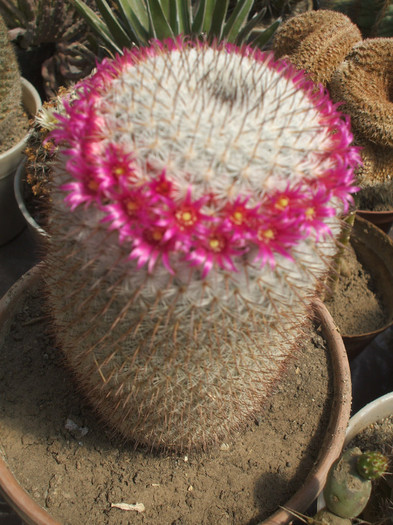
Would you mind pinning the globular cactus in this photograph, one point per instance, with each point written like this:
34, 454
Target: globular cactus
196, 202
348, 484
12, 121
317, 42
364, 83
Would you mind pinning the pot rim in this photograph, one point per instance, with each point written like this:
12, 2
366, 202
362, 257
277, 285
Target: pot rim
331, 447
18, 181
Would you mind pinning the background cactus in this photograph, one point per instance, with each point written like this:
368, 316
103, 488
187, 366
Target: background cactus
348, 484
317, 42
196, 202
13, 121
358, 74
56, 39
364, 83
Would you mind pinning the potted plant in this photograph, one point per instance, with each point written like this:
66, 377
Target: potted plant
196, 201
370, 429
18, 101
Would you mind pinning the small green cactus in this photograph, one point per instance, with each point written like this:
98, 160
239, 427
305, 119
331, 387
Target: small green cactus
372, 464
348, 485
11, 112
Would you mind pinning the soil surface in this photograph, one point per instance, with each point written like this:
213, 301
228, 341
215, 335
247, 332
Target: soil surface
82, 474
354, 304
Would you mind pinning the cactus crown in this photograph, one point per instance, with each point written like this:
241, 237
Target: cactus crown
372, 464
179, 189
11, 113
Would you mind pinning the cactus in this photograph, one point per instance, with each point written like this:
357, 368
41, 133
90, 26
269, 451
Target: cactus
364, 82
13, 122
372, 464
196, 200
348, 486
56, 29
316, 41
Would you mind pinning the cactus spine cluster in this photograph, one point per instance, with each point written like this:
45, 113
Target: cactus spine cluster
196, 199
12, 123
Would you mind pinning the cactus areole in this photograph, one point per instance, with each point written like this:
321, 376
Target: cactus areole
196, 201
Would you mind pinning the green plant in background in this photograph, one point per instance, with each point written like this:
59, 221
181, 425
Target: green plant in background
13, 122
123, 23
56, 31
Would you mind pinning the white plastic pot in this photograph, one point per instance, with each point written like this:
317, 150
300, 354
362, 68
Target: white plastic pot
376, 410
11, 219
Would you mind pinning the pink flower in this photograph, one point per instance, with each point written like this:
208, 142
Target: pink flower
217, 248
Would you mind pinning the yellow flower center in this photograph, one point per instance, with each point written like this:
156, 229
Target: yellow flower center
238, 217
186, 217
310, 213
282, 203
266, 235
216, 244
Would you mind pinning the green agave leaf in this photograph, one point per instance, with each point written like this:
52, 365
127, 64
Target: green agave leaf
218, 19
245, 32
262, 38
135, 19
203, 18
237, 20
116, 29
181, 16
97, 25
158, 24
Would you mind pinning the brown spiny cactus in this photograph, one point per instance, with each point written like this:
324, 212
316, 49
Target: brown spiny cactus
12, 122
364, 82
316, 41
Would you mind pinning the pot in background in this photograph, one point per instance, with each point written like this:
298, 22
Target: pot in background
11, 220
374, 250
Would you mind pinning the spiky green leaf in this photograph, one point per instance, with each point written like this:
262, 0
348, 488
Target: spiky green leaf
135, 19
262, 38
218, 19
247, 29
237, 19
97, 25
115, 28
158, 24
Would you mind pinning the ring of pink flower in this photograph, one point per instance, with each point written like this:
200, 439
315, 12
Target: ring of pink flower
151, 215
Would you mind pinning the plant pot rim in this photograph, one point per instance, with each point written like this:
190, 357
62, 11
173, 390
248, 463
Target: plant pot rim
32, 223
331, 447
36, 100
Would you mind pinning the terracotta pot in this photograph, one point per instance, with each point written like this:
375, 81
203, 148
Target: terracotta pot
382, 219
374, 250
33, 514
